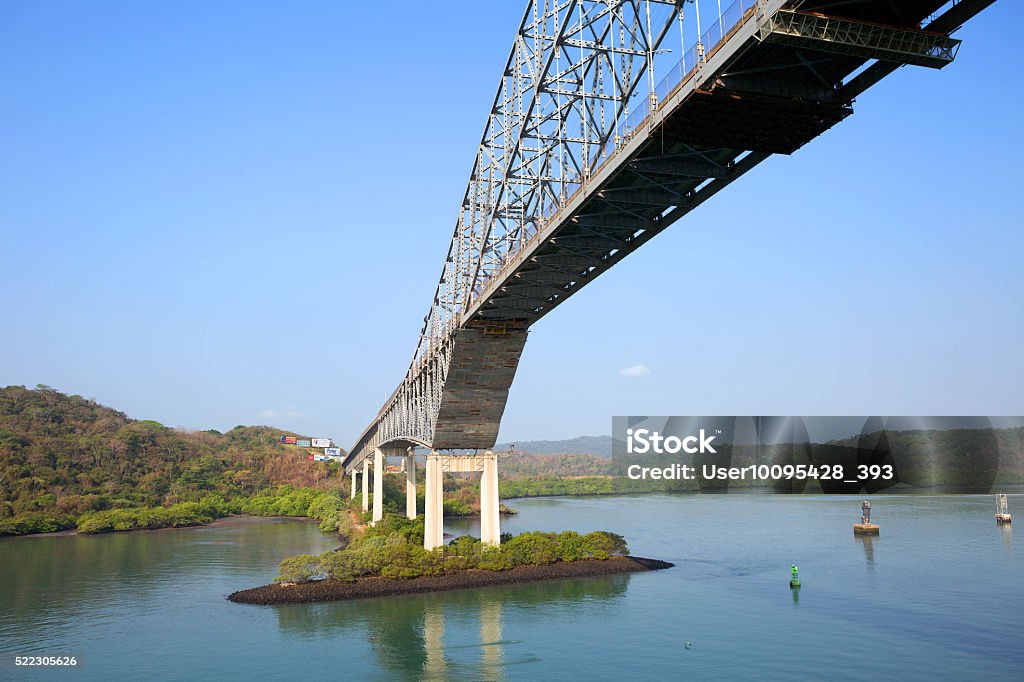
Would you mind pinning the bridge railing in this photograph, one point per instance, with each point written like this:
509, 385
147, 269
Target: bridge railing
699, 52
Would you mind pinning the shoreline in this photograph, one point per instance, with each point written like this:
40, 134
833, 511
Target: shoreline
896, 491
224, 521
336, 590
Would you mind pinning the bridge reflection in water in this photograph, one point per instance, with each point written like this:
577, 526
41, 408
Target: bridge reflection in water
452, 635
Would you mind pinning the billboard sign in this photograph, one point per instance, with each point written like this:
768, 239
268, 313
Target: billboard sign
322, 443
288, 440
302, 443
332, 452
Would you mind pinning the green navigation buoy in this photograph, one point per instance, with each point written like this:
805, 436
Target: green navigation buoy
794, 578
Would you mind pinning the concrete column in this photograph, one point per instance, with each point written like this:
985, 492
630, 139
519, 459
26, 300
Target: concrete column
353, 484
378, 485
410, 486
490, 522
366, 485
433, 507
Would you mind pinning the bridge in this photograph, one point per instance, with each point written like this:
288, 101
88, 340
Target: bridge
612, 120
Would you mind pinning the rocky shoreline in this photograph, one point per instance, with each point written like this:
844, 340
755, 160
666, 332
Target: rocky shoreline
336, 590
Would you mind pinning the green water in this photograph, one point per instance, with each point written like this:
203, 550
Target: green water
937, 596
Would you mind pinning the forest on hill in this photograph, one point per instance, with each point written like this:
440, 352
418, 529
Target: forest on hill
63, 457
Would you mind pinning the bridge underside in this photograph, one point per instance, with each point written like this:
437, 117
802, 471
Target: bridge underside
483, 364
769, 87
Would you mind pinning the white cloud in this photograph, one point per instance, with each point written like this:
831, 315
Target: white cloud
635, 371
268, 414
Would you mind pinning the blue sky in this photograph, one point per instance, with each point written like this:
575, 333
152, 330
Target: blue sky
235, 213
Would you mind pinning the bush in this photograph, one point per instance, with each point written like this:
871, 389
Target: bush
601, 544
410, 529
494, 559
533, 548
300, 568
35, 523
455, 508
176, 516
339, 565
345, 526
570, 546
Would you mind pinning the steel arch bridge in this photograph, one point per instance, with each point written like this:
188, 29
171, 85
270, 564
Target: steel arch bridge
612, 120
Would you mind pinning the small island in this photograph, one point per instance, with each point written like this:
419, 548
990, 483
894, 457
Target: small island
389, 559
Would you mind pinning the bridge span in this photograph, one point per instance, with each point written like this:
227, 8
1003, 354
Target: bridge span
612, 120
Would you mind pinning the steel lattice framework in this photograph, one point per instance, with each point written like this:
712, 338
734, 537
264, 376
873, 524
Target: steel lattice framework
567, 178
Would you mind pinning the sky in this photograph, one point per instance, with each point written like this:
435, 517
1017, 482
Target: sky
231, 213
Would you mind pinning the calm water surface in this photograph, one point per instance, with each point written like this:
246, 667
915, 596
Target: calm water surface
937, 596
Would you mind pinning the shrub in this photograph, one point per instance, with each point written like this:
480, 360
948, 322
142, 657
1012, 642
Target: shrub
345, 526
601, 544
465, 545
533, 548
35, 523
494, 559
455, 508
301, 568
570, 546
339, 565
397, 571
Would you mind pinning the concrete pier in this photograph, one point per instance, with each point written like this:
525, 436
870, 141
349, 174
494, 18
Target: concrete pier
353, 484
366, 485
490, 520
410, 485
433, 507
437, 465
378, 485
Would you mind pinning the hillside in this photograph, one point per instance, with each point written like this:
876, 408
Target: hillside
68, 456
581, 445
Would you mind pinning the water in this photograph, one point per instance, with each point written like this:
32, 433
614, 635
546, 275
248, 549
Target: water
936, 596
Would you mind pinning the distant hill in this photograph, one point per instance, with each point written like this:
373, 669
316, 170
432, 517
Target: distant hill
65, 454
581, 445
